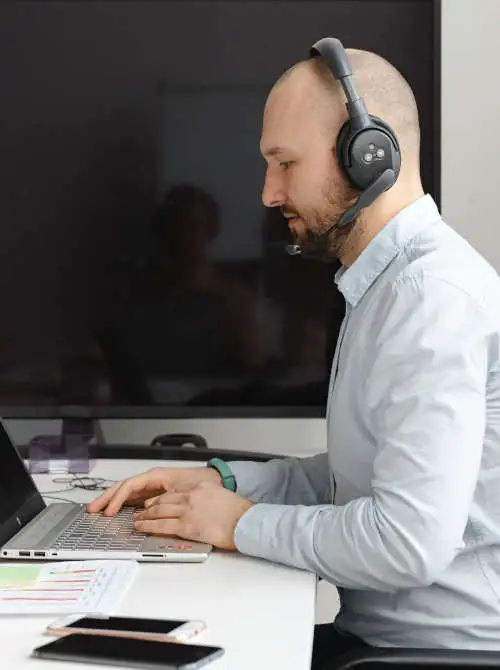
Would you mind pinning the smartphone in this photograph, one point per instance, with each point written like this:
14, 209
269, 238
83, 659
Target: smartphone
128, 652
168, 630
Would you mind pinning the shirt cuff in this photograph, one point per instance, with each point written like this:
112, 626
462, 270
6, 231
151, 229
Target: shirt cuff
264, 532
250, 535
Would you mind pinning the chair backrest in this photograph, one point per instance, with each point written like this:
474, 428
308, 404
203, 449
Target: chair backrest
190, 446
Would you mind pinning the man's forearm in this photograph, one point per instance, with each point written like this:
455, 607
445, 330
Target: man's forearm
289, 481
353, 546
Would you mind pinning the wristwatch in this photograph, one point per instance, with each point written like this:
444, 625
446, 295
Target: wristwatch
228, 479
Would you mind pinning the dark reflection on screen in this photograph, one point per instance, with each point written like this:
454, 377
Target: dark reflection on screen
197, 330
181, 327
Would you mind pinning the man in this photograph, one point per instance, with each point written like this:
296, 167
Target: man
403, 514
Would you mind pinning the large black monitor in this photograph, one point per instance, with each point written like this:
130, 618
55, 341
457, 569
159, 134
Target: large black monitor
137, 271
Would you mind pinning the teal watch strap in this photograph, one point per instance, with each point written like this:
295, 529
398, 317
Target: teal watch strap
228, 479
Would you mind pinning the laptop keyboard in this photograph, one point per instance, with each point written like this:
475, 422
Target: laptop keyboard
101, 533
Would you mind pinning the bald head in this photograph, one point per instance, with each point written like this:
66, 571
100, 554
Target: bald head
302, 117
385, 91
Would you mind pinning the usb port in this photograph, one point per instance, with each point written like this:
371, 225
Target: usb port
39, 553
24, 553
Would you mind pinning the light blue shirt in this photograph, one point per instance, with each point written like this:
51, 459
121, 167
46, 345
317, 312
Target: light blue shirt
413, 535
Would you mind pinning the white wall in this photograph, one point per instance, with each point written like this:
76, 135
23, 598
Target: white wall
470, 183
470, 118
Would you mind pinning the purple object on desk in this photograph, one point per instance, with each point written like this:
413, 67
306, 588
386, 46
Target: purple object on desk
60, 453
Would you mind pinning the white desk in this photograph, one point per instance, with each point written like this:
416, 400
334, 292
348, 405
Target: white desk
261, 614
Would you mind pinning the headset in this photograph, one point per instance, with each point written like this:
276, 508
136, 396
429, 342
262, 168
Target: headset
367, 149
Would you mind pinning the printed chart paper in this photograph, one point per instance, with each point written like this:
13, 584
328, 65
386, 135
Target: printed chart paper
65, 587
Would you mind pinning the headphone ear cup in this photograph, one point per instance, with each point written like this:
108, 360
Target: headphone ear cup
364, 154
342, 147
385, 126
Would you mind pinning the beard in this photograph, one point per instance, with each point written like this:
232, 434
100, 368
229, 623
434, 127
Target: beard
313, 236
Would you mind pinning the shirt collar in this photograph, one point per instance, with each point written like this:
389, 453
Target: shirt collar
355, 280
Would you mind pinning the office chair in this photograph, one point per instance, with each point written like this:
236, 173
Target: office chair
193, 447
379, 658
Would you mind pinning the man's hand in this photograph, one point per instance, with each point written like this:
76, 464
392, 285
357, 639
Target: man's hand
206, 513
135, 490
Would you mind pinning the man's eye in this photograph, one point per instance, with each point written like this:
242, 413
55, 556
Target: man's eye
286, 164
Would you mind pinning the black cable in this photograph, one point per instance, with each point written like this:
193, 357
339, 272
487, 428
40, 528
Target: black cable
77, 481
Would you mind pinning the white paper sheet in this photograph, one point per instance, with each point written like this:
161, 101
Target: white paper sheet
65, 587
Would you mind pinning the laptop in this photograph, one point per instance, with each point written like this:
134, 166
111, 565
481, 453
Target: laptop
32, 530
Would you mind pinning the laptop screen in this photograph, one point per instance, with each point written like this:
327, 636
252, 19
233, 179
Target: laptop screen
20, 500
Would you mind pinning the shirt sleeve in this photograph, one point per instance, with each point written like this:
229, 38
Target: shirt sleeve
426, 400
289, 481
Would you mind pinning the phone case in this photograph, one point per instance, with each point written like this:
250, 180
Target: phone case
180, 637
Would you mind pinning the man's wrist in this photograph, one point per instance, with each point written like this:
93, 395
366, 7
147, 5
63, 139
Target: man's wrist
214, 476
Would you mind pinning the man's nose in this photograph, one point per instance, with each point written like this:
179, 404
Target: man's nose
273, 193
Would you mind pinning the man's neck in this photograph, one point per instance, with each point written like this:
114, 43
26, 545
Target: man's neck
373, 219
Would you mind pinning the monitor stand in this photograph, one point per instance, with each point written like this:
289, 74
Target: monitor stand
88, 427
79, 437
